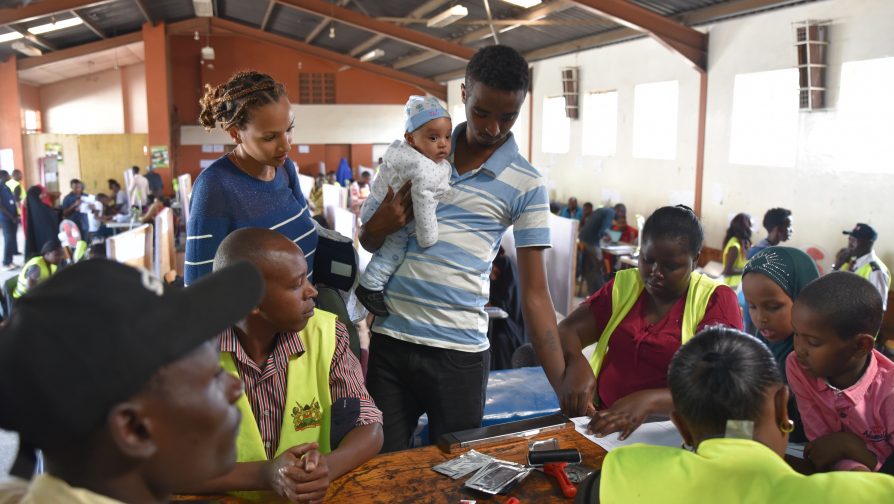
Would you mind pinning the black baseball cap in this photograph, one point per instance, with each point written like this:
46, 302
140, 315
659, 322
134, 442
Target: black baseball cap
92, 335
863, 232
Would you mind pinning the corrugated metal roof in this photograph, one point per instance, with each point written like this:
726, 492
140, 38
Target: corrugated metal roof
565, 26
292, 23
114, 18
243, 11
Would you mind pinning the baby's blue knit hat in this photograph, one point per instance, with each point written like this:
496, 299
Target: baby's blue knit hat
422, 109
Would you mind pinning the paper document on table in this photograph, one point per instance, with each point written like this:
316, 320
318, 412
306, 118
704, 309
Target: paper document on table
796, 450
653, 433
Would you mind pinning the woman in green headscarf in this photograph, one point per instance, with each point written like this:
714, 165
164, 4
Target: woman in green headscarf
771, 281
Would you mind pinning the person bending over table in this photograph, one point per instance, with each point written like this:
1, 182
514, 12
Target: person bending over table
647, 313
730, 406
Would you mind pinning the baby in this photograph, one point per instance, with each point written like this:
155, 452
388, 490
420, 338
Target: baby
422, 159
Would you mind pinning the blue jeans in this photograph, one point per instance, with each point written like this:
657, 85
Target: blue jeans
10, 245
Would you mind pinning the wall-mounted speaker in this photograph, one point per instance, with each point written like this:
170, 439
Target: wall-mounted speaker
570, 92
812, 44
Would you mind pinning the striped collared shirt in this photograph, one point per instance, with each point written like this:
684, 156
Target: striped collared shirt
265, 387
437, 295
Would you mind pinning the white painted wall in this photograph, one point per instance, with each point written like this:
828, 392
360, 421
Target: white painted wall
826, 193
325, 124
107, 102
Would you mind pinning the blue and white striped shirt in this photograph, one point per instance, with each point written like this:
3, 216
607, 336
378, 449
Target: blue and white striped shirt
437, 295
224, 199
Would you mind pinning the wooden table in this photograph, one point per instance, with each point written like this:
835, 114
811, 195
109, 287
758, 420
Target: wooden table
407, 476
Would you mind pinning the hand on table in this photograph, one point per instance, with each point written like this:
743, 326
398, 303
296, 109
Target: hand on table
625, 415
300, 474
578, 388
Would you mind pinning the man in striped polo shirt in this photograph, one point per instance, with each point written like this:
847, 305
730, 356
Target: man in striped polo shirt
430, 355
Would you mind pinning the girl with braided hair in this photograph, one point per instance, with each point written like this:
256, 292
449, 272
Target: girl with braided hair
255, 184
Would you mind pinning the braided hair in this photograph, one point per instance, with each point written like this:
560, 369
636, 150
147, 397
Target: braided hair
230, 103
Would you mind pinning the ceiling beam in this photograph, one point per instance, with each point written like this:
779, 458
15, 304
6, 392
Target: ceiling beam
89, 24
45, 8
268, 14
34, 39
142, 8
415, 15
322, 24
685, 41
73, 52
531, 14
399, 33
427, 85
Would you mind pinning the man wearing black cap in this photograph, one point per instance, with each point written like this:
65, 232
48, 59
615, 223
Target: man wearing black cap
131, 409
859, 258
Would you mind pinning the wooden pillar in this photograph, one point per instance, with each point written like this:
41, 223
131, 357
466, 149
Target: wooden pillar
159, 97
700, 141
11, 118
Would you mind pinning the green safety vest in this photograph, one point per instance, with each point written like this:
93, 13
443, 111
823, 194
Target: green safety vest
46, 270
727, 471
12, 184
866, 270
308, 408
734, 280
626, 290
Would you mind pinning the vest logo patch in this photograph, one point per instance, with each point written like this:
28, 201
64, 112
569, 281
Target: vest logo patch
307, 416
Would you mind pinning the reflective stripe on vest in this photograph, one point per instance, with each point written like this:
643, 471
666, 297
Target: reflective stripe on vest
626, 291
308, 407
46, 270
865, 271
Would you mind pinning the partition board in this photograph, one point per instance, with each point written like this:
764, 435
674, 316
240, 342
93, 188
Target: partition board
164, 256
133, 247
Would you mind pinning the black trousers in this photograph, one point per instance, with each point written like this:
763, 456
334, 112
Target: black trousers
406, 380
10, 244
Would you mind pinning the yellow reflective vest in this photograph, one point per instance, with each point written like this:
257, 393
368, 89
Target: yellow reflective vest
727, 471
46, 270
308, 407
734, 280
626, 291
866, 270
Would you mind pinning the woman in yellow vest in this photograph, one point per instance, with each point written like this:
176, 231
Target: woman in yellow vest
638, 321
735, 245
40, 267
730, 406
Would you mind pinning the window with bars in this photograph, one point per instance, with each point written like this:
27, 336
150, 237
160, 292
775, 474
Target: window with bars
314, 87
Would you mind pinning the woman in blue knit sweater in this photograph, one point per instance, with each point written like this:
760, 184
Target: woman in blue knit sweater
255, 184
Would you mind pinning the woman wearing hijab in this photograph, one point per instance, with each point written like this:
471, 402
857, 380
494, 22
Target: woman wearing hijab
41, 221
771, 281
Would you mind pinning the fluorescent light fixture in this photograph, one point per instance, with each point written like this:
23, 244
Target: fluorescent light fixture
203, 8
374, 54
524, 3
6, 37
26, 49
448, 16
65, 23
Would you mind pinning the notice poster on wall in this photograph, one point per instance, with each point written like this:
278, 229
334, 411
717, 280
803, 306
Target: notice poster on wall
54, 149
159, 156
